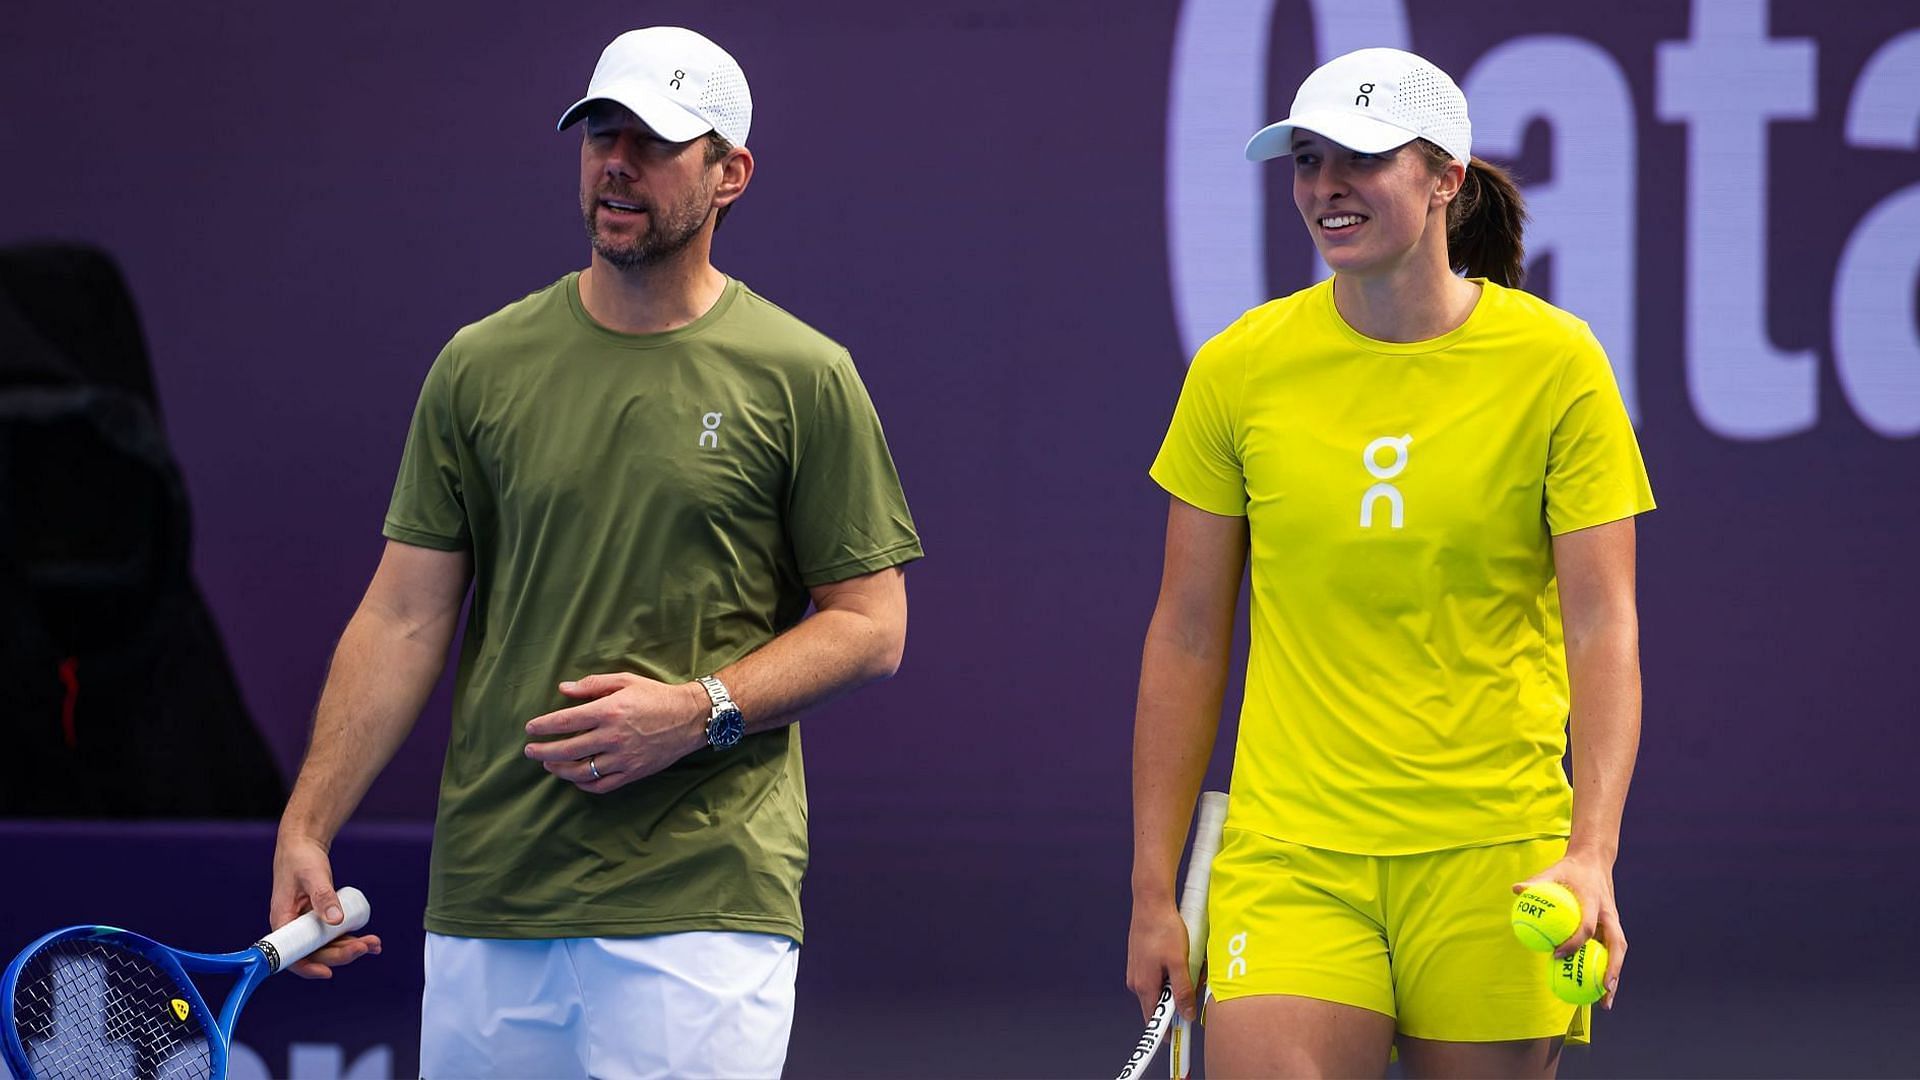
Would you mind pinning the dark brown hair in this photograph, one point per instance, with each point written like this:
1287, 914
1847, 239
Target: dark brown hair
1484, 221
717, 148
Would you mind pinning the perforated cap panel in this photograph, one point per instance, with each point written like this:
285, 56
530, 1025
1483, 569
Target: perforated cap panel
1428, 102
725, 102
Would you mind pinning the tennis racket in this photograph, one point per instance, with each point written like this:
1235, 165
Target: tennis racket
96, 1002
1193, 911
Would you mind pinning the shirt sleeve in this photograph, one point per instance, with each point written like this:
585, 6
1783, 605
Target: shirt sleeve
846, 512
1594, 470
1199, 460
428, 508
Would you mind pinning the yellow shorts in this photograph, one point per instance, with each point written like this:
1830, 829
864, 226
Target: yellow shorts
1423, 938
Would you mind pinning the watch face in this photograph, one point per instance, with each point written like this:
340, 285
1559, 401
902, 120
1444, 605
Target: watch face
725, 728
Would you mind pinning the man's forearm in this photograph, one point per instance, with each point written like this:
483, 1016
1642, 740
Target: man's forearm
829, 653
1605, 726
381, 675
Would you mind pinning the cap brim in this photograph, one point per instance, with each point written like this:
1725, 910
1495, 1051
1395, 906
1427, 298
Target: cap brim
1351, 130
667, 119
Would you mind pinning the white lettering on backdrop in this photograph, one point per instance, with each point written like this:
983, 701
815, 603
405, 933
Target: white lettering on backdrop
1741, 386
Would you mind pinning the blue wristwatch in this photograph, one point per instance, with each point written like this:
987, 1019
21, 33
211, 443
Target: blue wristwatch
725, 725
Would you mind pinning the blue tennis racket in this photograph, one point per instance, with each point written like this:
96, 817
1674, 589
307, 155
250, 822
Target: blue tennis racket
97, 1002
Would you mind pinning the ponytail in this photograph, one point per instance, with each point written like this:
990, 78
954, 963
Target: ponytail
1484, 221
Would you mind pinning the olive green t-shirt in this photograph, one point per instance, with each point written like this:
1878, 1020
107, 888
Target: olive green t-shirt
657, 504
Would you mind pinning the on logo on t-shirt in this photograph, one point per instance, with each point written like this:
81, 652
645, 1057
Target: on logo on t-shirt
710, 431
1396, 503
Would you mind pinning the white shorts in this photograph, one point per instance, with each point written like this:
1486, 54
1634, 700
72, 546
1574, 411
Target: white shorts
701, 1004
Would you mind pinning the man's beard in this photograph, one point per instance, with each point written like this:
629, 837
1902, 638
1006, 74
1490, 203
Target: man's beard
667, 234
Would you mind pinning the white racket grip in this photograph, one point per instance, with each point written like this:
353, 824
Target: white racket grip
298, 939
1193, 895
1193, 911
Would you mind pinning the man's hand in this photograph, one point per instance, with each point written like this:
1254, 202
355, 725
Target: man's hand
629, 727
303, 882
1591, 882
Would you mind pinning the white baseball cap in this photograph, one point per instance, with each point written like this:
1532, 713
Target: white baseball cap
1372, 101
676, 81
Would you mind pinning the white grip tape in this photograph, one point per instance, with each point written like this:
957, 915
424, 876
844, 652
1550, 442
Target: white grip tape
299, 938
1193, 896
1193, 911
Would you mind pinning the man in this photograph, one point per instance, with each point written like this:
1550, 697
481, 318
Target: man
648, 473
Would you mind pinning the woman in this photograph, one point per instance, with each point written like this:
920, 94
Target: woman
1435, 480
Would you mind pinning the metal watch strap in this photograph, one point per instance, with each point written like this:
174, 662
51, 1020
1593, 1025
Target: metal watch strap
725, 725
717, 692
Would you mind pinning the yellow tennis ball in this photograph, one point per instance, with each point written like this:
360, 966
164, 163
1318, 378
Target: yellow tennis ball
1545, 916
1578, 978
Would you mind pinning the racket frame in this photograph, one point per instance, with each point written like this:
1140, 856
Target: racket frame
249, 966
1212, 818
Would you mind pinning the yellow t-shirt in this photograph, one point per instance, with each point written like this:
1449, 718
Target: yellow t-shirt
1407, 682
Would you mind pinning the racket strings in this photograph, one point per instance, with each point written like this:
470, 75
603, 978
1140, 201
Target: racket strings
86, 1009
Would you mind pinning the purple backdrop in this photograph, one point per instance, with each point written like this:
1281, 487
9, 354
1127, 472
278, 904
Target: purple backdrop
1017, 216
